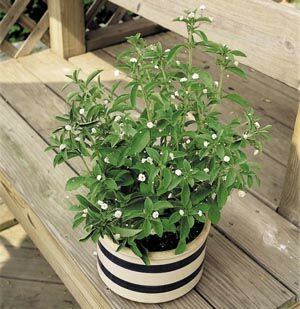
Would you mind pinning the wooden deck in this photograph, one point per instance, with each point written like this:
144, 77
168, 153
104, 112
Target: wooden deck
253, 253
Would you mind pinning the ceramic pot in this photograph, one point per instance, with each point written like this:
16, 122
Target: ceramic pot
169, 276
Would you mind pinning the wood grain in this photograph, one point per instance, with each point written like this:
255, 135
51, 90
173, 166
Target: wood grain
272, 48
8, 48
15, 236
67, 29
38, 204
6, 217
290, 200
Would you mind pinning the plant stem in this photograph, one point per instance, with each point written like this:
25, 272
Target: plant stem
85, 164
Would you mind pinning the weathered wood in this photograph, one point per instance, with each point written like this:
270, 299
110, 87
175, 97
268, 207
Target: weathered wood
117, 33
25, 21
290, 199
44, 205
35, 36
55, 214
16, 237
257, 34
6, 217
67, 30
11, 17
25, 294
8, 48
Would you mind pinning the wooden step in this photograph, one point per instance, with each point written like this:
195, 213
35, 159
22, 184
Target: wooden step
236, 222
42, 212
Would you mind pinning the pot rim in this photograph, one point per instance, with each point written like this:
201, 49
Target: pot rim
162, 255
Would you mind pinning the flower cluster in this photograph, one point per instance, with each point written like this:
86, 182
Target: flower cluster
172, 164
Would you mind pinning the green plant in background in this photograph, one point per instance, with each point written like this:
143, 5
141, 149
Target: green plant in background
170, 166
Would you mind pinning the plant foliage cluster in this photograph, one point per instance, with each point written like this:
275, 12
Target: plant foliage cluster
171, 165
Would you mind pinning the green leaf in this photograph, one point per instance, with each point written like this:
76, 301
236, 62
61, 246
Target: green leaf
148, 206
237, 71
162, 205
185, 195
166, 181
230, 178
125, 232
158, 227
238, 53
133, 94
111, 184
214, 214
92, 76
173, 52
86, 203
234, 97
220, 151
175, 217
74, 183
181, 246
153, 154
222, 195
140, 141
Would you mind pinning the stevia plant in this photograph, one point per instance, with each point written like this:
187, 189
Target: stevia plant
169, 165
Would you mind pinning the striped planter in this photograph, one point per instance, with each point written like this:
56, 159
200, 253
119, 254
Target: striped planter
168, 277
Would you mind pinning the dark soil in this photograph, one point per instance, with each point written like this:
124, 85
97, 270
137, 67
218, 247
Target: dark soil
169, 240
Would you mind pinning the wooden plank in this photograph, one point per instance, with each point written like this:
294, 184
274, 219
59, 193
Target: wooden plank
92, 11
67, 30
117, 33
38, 204
8, 48
16, 237
117, 16
272, 48
290, 199
34, 37
25, 21
16, 293
6, 217
11, 17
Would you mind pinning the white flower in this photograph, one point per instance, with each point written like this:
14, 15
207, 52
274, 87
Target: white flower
171, 155
156, 67
241, 193
226, 159
191, 15
183, 79
216, 83
85, 211
116, 73
176, 93
181, 18
99, 177
141, 177
181, 212
200, 213
236, 63
172, 96
68, 127
195, 76
94, 130
105, 101
204, 90
81, 111
202, 7
95, 253
213, 196
245, 135
149, 160
84, 215
99, 202
77, 139
167, 50
62, 147
205, 144
152, 232
133, 60
257, 125
118, 214
256, 152
178, 172
104, 206
155, 214
188, 141
177, 62
106, 160
150, 125
170, 195
211, 19
214, 136
117, 118
206, 170
227, 75
117, 236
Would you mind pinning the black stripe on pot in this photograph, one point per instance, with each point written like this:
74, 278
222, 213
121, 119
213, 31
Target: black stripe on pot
147, 288
152, 268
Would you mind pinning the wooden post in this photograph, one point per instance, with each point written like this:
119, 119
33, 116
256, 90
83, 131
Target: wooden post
290, 199
67, 30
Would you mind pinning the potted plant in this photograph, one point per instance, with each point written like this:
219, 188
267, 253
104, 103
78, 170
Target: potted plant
155, 180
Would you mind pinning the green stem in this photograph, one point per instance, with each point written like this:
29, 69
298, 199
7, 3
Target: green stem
85, 164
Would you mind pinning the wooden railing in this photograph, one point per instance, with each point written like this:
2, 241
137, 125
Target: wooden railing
14, 14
